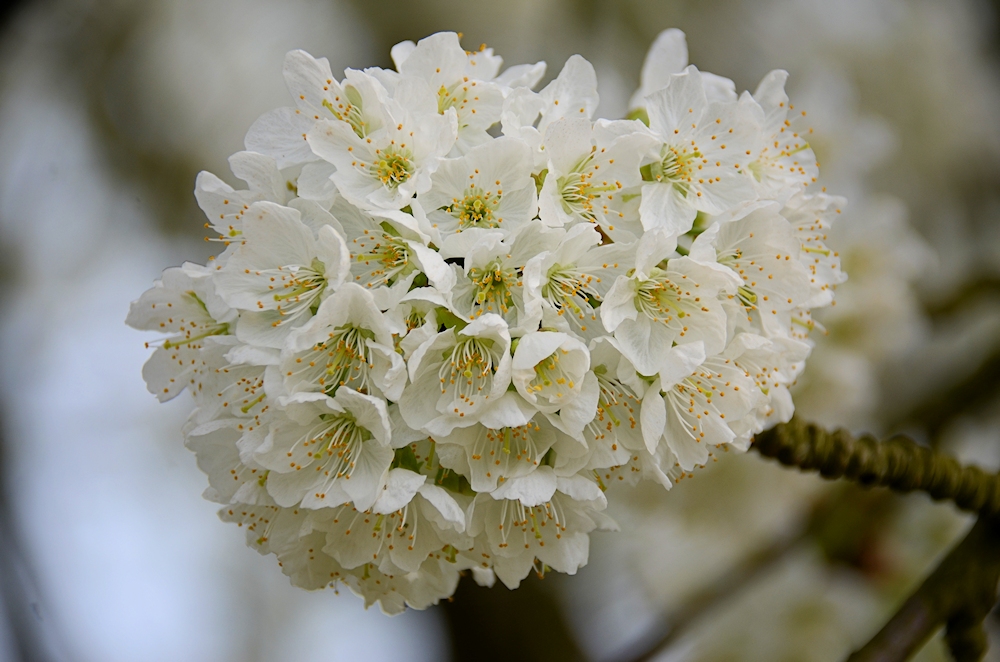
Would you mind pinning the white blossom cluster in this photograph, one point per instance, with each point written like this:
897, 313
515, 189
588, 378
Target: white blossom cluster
452, 311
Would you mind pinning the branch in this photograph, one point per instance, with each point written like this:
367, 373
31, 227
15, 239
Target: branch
538, 630
958, 594
972, 292
977, 388
898, 463
729, 583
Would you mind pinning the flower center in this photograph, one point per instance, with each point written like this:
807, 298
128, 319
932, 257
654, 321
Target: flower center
455, 97
676, 166
614, 405
387, 259
568, 289
550, 374
576, 190
195, 330
468, 369
517, 442
659, 297
301, 289
343, 359
476, 209
393, 166
769, 158
529, 523
246, 391
494, 283
339, 437
350, 111
415, 320
390, 530
691, 401
502, 453
335, 444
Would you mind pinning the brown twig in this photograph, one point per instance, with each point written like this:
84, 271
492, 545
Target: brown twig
730, 583
974, 291
958, 595
979, 387
538, 630
898, 463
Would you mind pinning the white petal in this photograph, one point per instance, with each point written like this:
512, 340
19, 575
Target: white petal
332, 252
368, 411
280, 134
366, 480
671, 107
618, 305
533, 489
655, 246
445, 505
580, 489
484, 576
400, 487
438, 272
653, 416
510, 411
679, 362
668, 55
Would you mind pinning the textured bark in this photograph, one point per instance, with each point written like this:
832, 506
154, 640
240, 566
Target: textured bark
500, 625
898, 463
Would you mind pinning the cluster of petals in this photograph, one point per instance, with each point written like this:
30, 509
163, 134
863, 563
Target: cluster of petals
451, 313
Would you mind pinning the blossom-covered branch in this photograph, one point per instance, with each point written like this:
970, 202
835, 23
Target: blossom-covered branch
451, 313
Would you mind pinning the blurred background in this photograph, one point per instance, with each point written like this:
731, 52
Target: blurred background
109, 108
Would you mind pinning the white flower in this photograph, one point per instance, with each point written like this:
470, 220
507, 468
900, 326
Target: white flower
590, 169
388, 250
492, 281
225, 207
569, 282
614, 436
280, 273
436, 579
762, 249
456, 375
184, 304
230, 381
706, 147
273, 529
706, 403
281, 133
385, 167
812, 217
414, 318
329, 451
347, 343
399, 532
548, 369
656, 307
492, 456
773, 364
230, 479
573, 94
460, 80
488, 189
785, 163
548, 521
